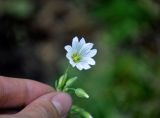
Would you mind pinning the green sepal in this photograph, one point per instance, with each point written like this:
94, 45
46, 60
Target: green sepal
61, 82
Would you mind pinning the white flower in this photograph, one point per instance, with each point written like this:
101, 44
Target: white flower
80, 54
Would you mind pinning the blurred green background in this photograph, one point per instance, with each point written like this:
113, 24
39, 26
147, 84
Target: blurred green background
125, 83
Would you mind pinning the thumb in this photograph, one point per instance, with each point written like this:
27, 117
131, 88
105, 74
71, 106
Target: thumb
52, 105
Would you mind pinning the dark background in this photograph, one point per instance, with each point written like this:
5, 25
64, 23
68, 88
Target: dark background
125, 83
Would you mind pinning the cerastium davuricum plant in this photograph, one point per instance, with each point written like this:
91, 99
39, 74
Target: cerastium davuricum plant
80, 56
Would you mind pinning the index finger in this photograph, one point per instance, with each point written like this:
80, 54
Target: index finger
19, 92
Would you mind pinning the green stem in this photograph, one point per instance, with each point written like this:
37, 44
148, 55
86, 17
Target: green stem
68, 67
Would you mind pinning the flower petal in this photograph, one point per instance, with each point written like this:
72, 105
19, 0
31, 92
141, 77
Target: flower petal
82, 41
86, 48
68, 55
72, 63
79, 66
86, 66
89, 45
80, 45
68, 48
89, 60
75, 42
92, 53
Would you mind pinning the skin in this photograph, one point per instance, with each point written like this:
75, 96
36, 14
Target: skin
23, 98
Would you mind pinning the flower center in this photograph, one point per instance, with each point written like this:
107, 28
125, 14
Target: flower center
76, 58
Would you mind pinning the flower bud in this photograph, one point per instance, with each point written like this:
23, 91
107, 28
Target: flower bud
81, 93
86, 114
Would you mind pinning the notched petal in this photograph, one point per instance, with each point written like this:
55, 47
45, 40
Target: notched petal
68, 48
68, 55
79, 66
86, 48
92, 53
86, 67
82, 41
89, 46
91, 61
72, 63
75, 42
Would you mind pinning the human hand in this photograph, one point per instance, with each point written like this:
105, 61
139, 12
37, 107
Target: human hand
37, 100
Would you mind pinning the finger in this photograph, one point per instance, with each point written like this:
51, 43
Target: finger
53, 105
18, 92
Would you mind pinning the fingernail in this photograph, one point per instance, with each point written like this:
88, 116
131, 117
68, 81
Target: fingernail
62, 102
